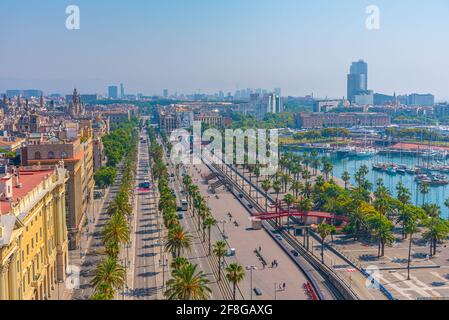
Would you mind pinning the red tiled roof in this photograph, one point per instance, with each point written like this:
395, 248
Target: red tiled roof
29, 181
416, 146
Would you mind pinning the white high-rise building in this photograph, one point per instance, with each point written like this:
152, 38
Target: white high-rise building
274, 104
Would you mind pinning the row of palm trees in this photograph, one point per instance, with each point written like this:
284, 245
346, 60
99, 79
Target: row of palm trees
199, 209
372, 214
110, 275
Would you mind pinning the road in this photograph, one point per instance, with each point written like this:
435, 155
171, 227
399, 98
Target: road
145, 257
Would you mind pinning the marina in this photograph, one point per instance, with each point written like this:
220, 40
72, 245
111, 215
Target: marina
392, 168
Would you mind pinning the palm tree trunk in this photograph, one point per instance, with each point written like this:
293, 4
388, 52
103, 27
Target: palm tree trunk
209, 239
234, 289
219, 269
409, 256
322, 251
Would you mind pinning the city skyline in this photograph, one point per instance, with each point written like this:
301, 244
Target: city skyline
291, 52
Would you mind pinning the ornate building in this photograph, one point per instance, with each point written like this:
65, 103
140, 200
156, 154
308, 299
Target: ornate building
33, 232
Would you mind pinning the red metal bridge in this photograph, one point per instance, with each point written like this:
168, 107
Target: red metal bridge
281, 210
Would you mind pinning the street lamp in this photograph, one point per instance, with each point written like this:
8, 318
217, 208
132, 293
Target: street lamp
251, 268
164, 264
223, 230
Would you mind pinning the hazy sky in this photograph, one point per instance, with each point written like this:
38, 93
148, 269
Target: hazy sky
186, 45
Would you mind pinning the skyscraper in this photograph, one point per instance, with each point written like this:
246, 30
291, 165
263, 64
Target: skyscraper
112, 92
357, 79
122, 91
165, 93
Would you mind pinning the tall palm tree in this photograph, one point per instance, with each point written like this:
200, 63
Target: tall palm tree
324, 230
109, 274
410, 227
220, 250
178, 263
289, 199
424, 189
296, 187
437, 231
171, 219
235, 274
266, 186
188, 284
328, 167
178, 240
285, 179
346, 177
277, 188
116, 230
208, 223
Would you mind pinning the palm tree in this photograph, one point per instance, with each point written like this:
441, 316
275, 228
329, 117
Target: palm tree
220, 250
404, 194
306, 175
382, 230
327, 169
208, 223
285, 179
108, 274
432, 210
346, 177
437, 231
178, 240
316, 163
324, 230
171, 219
296, 187
266, 186
235, 274
103, 292
424, 189
289, 199
410, 228
116, 230
277, 188
188, 284
178, 263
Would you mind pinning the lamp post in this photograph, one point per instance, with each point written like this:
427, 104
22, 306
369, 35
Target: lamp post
251, 268
164, 264
223, 230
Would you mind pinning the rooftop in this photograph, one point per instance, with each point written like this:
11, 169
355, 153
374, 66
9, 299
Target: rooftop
28, 179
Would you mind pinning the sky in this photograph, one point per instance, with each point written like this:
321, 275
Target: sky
204, 46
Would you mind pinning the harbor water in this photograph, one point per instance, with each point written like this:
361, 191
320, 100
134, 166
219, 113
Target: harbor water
437, 194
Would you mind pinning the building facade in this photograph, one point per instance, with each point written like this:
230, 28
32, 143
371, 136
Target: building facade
77, 155
330, 120
33, 233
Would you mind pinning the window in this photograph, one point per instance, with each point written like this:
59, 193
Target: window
51, 155
37, 155
64, 155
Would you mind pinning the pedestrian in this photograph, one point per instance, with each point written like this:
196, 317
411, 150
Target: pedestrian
284, 286
260, 249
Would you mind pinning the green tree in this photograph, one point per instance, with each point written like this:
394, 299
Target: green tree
188, 284
220, 250
382, 230
108, 274
208, 223
178, 240
235, 274
325, 230
346, 177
